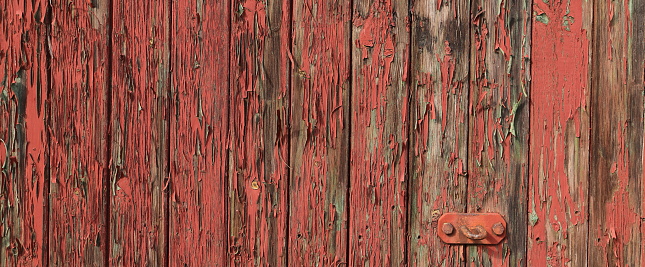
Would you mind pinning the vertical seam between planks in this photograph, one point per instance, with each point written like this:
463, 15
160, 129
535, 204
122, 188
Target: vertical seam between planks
528, 139
529, 136
287, 120
227, 158
349, 137
168, 116
47, 173
411, 91
108, 138
408, 84
592, 87
467, 117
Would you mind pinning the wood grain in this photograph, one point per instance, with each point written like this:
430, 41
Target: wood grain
318, 200
259, 155
616, 165
439, 125
24, 177
199, 133
499, 119
79, 125
559, 165
140, 101
379, 134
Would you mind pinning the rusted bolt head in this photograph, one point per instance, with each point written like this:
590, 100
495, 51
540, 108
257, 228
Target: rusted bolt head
498, 229
447, 228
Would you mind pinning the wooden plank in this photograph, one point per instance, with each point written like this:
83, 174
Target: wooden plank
139, 132
24, 180
558, 172
259, 155
615, 207
199, 132
79, 132
379, 134
499, 124
439, 125
320, 108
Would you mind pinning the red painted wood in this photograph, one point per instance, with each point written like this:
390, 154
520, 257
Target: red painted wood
439, 126
499, 119
23, 139
139, 132
79, 132
318, 207
559, 142
379, 134
259, 153
199, 135
616, 165
313, 132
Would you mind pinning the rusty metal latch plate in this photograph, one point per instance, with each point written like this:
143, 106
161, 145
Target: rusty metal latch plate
472, 228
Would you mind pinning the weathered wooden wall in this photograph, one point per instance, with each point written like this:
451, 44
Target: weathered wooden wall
320, 133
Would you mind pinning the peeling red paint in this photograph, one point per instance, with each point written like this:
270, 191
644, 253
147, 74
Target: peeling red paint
319, 129
438, 132
615, 216
259, 134
498, 135
559, 149
199, 134
313, 132
79, 133
379, 141
23, 140
140, 57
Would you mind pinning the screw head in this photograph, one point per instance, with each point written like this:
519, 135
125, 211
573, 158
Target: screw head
498, 229
447, 228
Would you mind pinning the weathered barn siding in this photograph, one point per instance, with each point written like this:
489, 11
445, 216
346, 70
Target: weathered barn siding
560, 119
438, 167
199, 133
79, 126
500, 56
616, 139
379, 134
319, 123
320, 133
139, 129
24, 89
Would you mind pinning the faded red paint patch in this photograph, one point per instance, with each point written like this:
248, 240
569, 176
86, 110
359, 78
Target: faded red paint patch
557, 198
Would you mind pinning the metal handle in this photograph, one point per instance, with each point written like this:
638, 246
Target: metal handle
481, 232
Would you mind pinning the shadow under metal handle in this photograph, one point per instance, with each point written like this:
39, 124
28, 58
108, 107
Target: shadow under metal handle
479, 235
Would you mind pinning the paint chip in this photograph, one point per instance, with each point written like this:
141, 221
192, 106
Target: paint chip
542, 18
533, 218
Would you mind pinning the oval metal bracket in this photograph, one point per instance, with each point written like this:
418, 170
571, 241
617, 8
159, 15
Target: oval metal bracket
472, 228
